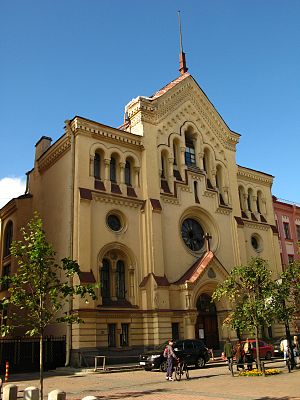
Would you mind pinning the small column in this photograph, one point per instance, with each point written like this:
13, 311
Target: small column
201, 164
57, 395
31, 393
171, 173
113, 280
254, 204
136, 171
213, 177
10, 392
122, 177
106, 170
226, 194
131, 284
92, 165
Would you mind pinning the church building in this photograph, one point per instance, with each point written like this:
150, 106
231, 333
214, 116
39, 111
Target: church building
157, 211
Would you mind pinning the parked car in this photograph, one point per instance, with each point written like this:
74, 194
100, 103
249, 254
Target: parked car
265, 350
193, 351
276, 344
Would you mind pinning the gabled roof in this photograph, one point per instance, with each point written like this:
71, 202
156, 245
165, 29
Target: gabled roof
197, 269
169, 86
160, 280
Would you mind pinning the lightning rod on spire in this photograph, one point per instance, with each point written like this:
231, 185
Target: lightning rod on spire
182, 63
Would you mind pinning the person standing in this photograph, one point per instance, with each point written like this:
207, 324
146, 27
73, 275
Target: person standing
284, 347
240, 356
171, 356
248, 350
228, 351
296, 349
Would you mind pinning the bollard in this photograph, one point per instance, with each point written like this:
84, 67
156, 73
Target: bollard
10, 392
57, 395
31, 393
6, 371
90, 398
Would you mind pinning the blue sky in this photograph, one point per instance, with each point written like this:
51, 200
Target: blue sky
62, 58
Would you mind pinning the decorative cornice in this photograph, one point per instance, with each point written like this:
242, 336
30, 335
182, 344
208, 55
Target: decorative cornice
255, 225
249, 175
224, 210
98, 131
108, 198
54, 153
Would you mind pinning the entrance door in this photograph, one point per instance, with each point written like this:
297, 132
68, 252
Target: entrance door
206, 327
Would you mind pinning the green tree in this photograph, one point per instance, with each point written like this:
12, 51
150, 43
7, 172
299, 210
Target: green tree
249, 289
41, 288
286, 299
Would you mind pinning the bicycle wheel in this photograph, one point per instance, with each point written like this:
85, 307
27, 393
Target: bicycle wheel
178, 373
187, 374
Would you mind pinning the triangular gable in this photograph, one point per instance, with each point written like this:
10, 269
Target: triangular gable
197, 269
169, 86
159, 280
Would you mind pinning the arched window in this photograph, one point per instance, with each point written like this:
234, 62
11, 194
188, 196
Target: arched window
259, 201
175, 155
205, 304
164, 166
105, 279
97, 166
113, 169
8, 236
249, 200
190, 155
196, 192
128, 173
120, 280
241, 197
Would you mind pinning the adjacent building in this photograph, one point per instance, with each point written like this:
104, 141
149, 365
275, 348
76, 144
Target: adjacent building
287, 216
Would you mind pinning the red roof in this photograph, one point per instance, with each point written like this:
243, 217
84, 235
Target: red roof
197, 269
170, 85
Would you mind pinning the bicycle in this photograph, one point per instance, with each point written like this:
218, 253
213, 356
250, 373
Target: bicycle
181, 369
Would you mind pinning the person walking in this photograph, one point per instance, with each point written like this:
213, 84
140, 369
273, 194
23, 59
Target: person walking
228, 351
296, 349
248, 350
171, 356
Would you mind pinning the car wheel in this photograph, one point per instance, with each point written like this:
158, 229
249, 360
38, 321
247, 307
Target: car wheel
148, 369
163, 366
268, 355
200, 362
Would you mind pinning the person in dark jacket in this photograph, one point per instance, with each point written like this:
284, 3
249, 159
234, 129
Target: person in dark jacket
228, 351
240, 356
248, 354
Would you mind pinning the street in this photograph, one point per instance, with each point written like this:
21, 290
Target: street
212, 382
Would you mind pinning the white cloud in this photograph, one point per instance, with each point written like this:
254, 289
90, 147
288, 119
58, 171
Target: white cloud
10, 188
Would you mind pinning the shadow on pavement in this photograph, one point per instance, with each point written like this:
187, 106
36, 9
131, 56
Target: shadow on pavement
123, 395
277, 398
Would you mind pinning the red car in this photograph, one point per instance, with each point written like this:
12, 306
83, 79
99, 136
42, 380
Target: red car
265, 350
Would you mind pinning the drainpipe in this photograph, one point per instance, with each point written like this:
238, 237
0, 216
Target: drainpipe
71, 225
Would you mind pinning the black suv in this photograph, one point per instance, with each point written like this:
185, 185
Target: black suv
192, 351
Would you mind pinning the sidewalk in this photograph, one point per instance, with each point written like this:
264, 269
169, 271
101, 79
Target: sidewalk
212, 382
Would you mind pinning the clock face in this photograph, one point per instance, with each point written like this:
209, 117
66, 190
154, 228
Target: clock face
192, 234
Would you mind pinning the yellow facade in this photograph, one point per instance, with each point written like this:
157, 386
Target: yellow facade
132, 204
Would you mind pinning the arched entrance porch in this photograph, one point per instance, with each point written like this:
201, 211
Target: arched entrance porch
206, 327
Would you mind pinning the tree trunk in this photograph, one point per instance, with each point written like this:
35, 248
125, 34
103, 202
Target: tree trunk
257, 349
41, 366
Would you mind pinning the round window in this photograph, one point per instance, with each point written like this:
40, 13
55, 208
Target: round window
192, 234
256, 243
114, 222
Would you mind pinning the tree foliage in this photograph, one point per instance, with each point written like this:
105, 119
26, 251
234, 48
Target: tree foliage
249, 289
40, 288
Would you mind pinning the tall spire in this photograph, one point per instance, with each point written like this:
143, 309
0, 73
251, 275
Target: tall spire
182, 64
